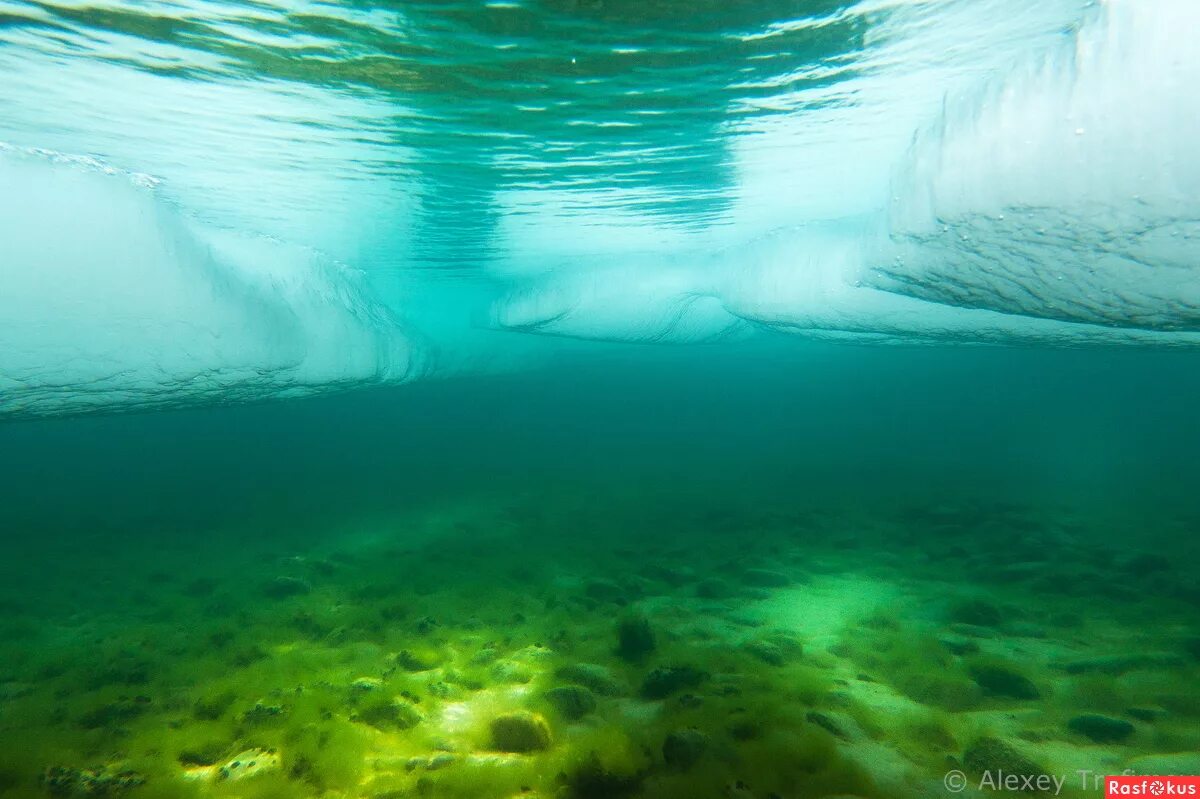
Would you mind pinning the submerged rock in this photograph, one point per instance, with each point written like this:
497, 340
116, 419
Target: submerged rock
593, 781
1116, 665
211, 708
285, 587
1101, 729
390, 714
208, 754
776, 650
505, 671
416, 659
572, 701
993, 756
1174, 763
1144, 713
746, 729
941, 688
683, 749
431, 763
1002, 681
976, 612
425, 625
247, 764
262, 713
590, 675
666, 680
827, 723
485, 656
635, 639
520, 732
715, 589
74, 782
114, 713
123, 670
738, 789
604, 591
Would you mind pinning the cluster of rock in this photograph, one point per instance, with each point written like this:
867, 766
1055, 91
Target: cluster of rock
64, 781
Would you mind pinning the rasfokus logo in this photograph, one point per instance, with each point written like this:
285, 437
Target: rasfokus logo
1151, 786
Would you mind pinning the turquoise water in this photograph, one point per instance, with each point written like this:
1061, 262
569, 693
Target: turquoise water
590, 399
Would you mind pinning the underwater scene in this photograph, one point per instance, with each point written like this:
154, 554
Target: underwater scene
599, 399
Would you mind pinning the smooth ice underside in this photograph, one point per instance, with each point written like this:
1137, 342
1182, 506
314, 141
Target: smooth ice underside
948, 172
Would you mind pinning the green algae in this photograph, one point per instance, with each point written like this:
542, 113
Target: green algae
389, 675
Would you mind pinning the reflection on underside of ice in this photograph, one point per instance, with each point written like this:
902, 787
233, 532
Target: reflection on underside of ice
112, 300
1058, 205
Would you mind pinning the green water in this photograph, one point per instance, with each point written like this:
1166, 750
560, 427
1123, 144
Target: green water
858, 568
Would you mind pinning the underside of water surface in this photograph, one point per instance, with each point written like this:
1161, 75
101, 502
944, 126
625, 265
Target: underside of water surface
598, 399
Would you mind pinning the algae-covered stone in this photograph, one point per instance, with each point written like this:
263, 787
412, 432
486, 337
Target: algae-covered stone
715, 588
572, 701
114, 713
827, 723
1001, 681
992, 756
204, 755
390, 714
670, 575
1101, 729
520, 732
591, 675
941, 688
417, 659
285, 587
976, 612
1175, 763
592, 780
1144, 713
664, 681
263, 713
1116, 665
775, 650
505, 671
683, 749
485, 656
106, 781
604, 591
434, 763
248, 764
211, 708
635, 639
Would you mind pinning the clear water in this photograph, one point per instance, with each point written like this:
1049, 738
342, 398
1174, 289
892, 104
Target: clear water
848, 348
